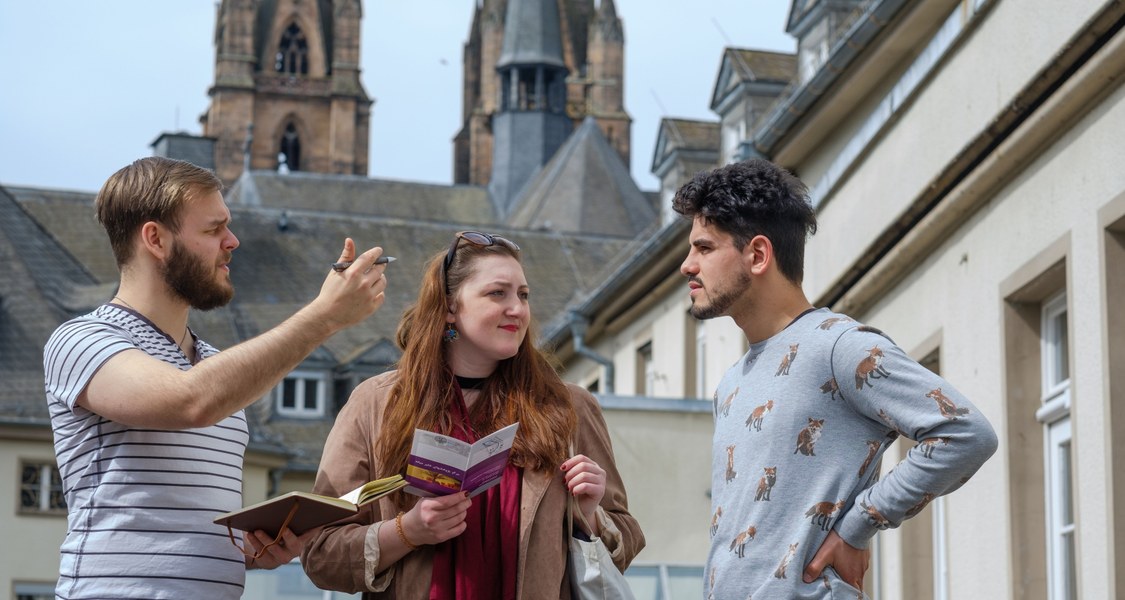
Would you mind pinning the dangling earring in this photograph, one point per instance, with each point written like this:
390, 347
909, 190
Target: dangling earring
450, 333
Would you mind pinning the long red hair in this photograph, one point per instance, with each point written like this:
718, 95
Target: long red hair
523, 388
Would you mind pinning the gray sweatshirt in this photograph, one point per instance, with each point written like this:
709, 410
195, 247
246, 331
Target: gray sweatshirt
801, 424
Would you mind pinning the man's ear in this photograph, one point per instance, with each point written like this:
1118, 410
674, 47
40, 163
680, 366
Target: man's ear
757, 256
156, 239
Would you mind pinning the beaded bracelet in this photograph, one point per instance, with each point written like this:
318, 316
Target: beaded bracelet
401, 533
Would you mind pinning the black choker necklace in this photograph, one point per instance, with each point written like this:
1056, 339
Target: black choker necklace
470, 383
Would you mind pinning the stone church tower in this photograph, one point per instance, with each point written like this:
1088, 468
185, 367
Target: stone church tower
591, 41
287, 81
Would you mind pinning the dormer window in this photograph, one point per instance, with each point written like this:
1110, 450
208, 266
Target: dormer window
302, 394
293, 52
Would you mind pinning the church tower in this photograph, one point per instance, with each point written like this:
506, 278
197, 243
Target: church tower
530, 122
605, 79
287, 85
593, 48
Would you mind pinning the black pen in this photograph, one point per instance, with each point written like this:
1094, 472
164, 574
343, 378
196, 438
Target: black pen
340, 267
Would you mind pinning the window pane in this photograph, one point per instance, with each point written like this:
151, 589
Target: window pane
30, 486
1071, 584
30, 475
310, 394
701, 368
1062, 366
289, 394
58, 499
1066, 491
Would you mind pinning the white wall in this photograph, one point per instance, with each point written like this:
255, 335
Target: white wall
955, 291
664, 458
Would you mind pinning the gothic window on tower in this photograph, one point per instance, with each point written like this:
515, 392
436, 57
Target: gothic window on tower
289, 154
293, 52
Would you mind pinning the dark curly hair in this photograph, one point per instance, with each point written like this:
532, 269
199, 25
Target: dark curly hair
751, 198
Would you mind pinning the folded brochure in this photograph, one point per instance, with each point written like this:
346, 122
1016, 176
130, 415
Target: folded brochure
440, 465
313, 510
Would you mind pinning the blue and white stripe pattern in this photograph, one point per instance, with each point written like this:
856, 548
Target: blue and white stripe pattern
140, 501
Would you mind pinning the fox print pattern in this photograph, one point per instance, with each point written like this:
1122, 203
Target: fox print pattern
927, 445
877, 518
917, 508
740, 540
872, 448
822, 513
829, 322
830, 387
724, 410
787, 360
715, 520
731, 473
808, 436
870, 368
946, 406
755, 419
780, 572
765, 484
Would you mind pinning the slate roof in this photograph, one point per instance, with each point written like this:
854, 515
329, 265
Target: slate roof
58, 265
73, 226
584, 187
38, 283
763, 65
196, 149
741, 66
687, 139
358, 195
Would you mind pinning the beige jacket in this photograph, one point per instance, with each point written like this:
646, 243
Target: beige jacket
336, 558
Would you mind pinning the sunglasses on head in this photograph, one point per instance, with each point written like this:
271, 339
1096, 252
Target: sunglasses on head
475, 238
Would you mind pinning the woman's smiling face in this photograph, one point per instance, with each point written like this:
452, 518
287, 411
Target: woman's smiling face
491, 314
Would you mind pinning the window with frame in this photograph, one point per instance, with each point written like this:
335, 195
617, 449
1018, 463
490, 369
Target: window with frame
302, 394
1054, 414
41, 488
646, 372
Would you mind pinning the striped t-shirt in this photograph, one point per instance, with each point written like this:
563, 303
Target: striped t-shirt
140, 501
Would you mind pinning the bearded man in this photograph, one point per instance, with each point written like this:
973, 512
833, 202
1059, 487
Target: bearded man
148, 418
806, 442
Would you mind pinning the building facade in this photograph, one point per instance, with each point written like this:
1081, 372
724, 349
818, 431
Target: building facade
970, 205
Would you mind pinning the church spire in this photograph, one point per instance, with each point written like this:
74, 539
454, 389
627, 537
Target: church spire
532, 34
531, 122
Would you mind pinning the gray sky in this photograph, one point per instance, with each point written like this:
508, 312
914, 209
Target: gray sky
88, 85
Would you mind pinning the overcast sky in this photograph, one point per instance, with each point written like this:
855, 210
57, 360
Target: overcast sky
88, 85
